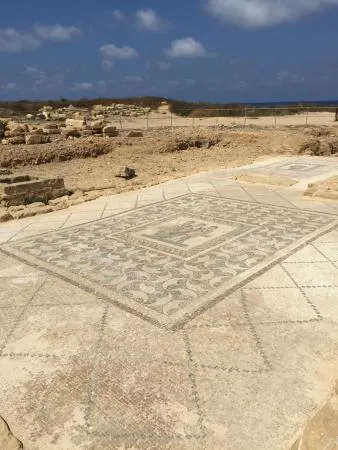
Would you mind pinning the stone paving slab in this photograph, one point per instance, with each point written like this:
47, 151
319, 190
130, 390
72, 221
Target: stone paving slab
111, 338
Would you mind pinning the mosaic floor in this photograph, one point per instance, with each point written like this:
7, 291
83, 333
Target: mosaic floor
198, 314
299, 168
175, 258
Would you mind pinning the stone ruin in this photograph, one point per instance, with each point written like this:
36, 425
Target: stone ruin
22, 133
95, 112
24, 189
70, 122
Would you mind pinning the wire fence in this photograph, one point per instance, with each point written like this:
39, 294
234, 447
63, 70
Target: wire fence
209, 117
265, 117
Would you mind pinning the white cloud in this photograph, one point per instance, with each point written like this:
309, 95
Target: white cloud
83, 86
34, 72
164, 65
107, 65
261, 13
8, 87
12, 40
57, 33
133, 79
186, 48
118, 14
110, 52
148, 20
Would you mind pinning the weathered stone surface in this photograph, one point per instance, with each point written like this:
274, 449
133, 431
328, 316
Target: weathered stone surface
51, 126
326, 188
277, 180
51, 131
7, 440
16, 140
135, 134
16, 130
92, 195
97, 125
12, 126
127, 173
31, 139
75, 123
28, 191
71, 133
58, 200
29, 211
110, 130
35, 130
76, 201
321, 432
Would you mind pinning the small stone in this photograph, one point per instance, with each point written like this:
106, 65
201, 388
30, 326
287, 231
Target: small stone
31, 139
51, 126
41, 210
72, 133
93, 195
5, 216
110, 130
12, 209
36, 205
135, 134
75, 123
77, 194
76, 201
56, 201
36, 131
97, 125
16, 140
126, 173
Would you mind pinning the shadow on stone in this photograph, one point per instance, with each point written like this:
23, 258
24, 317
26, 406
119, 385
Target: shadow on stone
7, 440
321, 432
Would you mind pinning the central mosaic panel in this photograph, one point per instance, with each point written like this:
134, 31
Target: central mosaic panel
185, 236
170, 261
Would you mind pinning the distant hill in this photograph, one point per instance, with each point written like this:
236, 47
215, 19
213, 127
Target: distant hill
179, 107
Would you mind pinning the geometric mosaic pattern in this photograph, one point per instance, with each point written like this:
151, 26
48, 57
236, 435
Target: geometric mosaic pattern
299, 168
170, 261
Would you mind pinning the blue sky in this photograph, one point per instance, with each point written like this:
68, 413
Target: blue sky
203, 50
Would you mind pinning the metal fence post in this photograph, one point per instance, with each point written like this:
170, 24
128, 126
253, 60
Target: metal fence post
147, 121
275, 114
171, 120
306, 118
121, 122
245, 116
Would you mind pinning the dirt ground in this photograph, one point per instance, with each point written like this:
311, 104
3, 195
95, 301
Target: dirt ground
160, 155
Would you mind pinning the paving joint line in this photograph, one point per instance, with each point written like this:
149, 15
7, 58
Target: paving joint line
254, 333
325, 256
192, 377
95, 361
28, 354
104, 209
20, 317
301, 290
